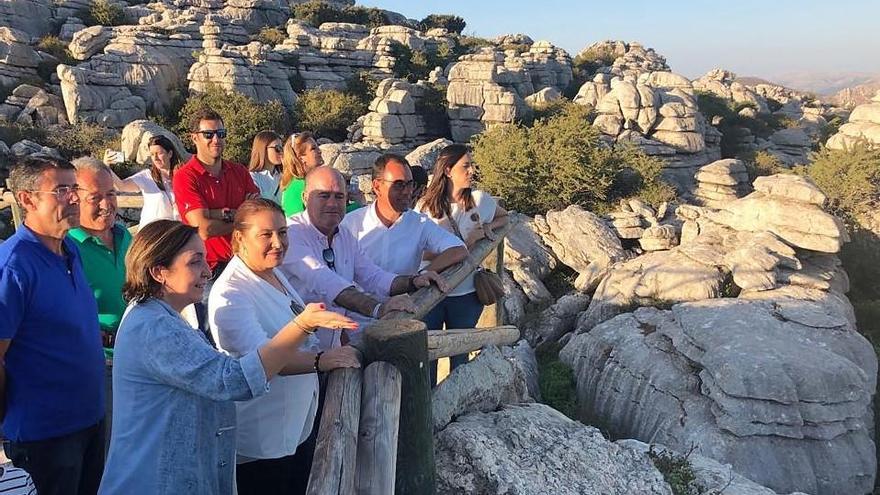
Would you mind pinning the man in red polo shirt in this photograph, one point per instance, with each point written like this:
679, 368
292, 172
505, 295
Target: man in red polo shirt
208, 189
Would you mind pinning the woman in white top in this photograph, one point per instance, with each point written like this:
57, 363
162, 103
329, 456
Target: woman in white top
248, 305
265, 165
155, 182
468, 213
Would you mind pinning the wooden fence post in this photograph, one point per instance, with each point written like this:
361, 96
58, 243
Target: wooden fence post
404, 343
380, 420
333, 468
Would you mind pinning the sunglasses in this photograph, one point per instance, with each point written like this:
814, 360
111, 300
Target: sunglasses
400, 185
329, 258
209, 134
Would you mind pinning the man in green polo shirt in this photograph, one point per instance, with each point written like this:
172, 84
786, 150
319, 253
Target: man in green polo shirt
102, 245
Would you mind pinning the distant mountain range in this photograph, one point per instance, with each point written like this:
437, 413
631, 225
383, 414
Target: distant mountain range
841, 88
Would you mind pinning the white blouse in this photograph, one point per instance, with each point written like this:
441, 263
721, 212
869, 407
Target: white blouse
245, 312
158, 204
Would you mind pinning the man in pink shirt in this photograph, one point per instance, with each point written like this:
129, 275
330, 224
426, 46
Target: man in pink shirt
325, 264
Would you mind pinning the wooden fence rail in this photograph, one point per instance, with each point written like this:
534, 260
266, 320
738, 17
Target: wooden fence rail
377, 439
445, 343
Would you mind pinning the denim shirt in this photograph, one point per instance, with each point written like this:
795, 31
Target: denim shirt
173, 411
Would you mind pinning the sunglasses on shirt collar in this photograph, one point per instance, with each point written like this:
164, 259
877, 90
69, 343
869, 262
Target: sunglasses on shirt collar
329, 257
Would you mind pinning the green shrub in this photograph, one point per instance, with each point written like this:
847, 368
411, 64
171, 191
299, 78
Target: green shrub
560, 161
432, 106
362, 86
850, 178
677, 471
270, 36
585, 65
242, 117
416, 65
732, 124
82, 139
317, 13
103, 13
829, 129
54, 46
556, 381
328, 112
470, 44
763, 163
452, 23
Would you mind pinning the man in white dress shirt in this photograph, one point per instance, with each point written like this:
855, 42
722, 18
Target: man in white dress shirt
394, 236
325, 264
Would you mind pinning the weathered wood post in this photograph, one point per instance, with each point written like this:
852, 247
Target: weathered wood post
404, 343
333, 468
380, 420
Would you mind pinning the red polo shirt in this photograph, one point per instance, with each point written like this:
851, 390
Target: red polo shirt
195, 188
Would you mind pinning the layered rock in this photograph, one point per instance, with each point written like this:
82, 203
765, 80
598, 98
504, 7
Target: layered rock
33, 17
779, 389
17, 59
351, 159
394, 118
30, 105
527, 258
791, 146
252, 70
548, 66
485, 90
723, 84
532, 448
722, 181
98, 97
89, 41
628, 59
425, 156
863, 126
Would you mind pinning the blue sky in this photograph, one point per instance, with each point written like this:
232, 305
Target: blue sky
760, 38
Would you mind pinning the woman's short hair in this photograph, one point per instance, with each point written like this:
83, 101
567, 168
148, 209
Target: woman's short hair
248, 209
293, 166
260, 151
156, 244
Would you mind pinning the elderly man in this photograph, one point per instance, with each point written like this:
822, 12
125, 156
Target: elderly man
208, 189
52, 372
391, 234
326, 265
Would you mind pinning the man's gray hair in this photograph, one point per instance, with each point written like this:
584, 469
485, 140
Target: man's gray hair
91, 163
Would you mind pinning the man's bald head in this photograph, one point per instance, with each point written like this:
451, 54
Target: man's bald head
324, 196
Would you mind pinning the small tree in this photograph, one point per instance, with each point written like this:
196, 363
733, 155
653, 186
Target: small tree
452, 23
850, 178
104, 13
328, 112
270, 36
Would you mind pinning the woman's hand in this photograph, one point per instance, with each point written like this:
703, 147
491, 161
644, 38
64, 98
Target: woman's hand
340, 357
316, 315
488, 232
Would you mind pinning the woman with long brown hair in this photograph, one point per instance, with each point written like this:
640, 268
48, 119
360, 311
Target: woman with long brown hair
301, 155
154, 182
470, 214
173, 393
265, 164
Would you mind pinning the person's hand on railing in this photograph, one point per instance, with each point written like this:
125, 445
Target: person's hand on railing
340, 357
488, 232
401, 302
316, 315
426, 278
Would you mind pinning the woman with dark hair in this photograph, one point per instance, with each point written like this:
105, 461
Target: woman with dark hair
154, 182
174, 428
301, 155
471, 215
248, 305
265, 165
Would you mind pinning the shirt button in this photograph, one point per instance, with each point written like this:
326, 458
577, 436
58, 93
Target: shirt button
222, 463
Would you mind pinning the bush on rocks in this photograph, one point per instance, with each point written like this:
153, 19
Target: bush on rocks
103, 13
561, 161
270, 36
82, 139
850, 178
328, 112
54, 46
451, 23
317, 13
242, 116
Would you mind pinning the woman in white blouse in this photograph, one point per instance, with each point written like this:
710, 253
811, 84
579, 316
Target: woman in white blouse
154, 182
249, 303
468, 213
265, 165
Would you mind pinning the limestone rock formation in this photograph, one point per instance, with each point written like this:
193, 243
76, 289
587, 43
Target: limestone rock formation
17, 59
394, 117
136, 136
723, 84
780, 389
555, 321
33, 17
30, 105
582, 241
863, 126
527, 258
98, 97
350, 159
628, 59
89, 41
722, 181
532, 448
547, 66
425, 156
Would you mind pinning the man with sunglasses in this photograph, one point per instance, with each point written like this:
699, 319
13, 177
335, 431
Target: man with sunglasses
394, 236
208, 189
51, 361
325, 264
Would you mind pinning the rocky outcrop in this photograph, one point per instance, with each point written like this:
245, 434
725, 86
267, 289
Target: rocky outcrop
780, 389
98, 97
30, 105
485, 89
89, 41
527, 258
722, 181
548, 66
863, 126
33, 17
627, 59
394, 117
17, 59
350, 159
532, 448
723, 84
425, 156
555, 321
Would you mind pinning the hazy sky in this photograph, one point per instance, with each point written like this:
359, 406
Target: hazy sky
759, 38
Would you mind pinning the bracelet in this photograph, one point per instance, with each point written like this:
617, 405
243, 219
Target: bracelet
375, 313
312, 332
318, 361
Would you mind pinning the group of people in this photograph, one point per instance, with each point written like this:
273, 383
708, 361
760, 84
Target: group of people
203, 338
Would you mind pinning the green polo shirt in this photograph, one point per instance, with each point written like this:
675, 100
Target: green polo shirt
105, 271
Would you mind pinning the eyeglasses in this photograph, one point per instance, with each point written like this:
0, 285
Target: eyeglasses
209, 134
329, 258
96, 198
61, 192
278, 148
400, 185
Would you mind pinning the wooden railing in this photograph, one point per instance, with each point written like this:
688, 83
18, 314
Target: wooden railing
123, 200
395, 452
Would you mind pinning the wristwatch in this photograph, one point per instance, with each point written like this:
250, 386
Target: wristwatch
228, 215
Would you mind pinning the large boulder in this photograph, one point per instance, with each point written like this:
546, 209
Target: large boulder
98, 97
532, 448
528, 258
136, 137
863, 126
17, 59
780, 389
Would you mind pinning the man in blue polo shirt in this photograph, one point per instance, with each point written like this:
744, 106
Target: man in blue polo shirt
52, 372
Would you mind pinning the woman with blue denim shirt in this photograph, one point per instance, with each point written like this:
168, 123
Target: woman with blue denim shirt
174, 416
